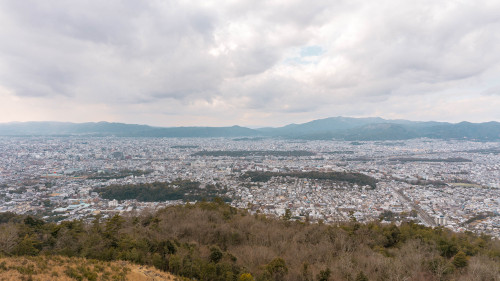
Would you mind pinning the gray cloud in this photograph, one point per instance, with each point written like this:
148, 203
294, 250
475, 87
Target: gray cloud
233, 61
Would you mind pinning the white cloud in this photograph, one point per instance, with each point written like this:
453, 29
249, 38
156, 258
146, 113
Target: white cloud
248, 62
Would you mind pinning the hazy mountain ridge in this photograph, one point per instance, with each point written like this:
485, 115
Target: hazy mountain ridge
344, 128
118, 129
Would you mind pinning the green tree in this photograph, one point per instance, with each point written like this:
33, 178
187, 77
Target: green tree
33, 222
215, 254
208, 271
159, 262
113, 225
460, 260
324, 275
447, 248
277, 269
27, 246
175, 264
392, 233
288, 215
171, 249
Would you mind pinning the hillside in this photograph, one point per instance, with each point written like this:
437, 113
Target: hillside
213, 241
59, 268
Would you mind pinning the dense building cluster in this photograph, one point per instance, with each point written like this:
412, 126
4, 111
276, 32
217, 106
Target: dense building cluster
454, 183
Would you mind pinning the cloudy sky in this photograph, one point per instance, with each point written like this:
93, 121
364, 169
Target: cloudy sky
248, 62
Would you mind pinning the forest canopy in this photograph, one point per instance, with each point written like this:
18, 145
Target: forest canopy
349, 177
214, 241
162, 191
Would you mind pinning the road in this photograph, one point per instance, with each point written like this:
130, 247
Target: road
428, 220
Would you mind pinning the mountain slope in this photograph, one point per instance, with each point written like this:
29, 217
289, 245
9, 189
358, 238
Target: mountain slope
330, 125
381, 131
345, 128
210, 240
64, 268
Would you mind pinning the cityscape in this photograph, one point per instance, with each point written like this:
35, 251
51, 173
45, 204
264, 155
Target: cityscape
439, 183
250, 140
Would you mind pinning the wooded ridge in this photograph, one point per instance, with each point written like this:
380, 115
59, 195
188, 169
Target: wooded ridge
214, 241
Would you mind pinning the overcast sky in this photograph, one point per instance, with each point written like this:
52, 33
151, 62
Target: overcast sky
248, 62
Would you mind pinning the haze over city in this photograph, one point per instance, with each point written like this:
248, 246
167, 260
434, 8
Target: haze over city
251, 63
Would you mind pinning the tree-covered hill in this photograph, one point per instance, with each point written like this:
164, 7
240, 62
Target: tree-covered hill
213, 241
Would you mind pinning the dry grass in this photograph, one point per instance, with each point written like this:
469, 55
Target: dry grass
63, 268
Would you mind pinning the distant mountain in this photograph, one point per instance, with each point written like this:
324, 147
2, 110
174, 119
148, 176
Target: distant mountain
118, 129
65, 128
345, 128
342, 128
381, 131
483, 131
320, 126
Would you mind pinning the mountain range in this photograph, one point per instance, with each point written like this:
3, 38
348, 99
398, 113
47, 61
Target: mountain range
341, 128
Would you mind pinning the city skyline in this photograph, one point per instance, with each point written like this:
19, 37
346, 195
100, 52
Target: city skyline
248, 63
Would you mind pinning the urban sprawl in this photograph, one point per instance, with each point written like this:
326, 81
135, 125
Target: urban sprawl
454, 184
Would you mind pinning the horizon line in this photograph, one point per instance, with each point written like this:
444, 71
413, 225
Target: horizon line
237, 125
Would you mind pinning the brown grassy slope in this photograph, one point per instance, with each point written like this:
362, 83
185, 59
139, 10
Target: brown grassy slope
63, 268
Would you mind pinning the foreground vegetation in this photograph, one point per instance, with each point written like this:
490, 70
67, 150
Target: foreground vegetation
64, 268
213, 241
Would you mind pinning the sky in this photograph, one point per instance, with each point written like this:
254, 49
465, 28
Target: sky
248, 62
